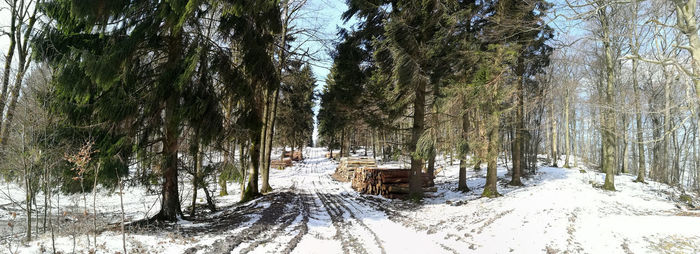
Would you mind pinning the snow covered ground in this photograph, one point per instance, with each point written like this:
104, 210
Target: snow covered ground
558, 211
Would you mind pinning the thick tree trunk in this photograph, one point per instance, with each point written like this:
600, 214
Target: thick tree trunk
415, 180
243, 165
608, 124
16, 88
641, 169
342, 144
517, 151
251, 191
491, 187
686, 22
263, 159
170, 200
462, 151
667, 127
9, 57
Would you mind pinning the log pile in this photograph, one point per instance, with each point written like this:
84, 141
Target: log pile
347, 166
295, 156
388, 182
281, 164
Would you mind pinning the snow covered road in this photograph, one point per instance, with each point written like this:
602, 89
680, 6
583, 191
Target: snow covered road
559, 211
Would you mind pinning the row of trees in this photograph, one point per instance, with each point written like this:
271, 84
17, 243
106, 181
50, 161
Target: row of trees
157, 89
633, 73
483, 78
447, 76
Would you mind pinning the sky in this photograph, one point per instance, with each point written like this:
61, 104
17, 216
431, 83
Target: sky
327, 13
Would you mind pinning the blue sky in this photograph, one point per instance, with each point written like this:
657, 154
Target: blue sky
327, 13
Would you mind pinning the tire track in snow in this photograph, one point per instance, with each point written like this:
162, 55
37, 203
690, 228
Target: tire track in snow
338, 203
270, 224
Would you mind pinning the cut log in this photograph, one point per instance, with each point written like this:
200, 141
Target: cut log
347, 166
286, 162
390, 183
295, 156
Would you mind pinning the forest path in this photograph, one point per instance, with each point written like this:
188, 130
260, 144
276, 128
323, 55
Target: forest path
312, 213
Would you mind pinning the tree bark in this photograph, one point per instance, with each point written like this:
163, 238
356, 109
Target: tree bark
9, 57
566, 128
462, 153
170, 201
491, 187
608, 125
517, 148
22, 41
251, 191
415, 180
555, 153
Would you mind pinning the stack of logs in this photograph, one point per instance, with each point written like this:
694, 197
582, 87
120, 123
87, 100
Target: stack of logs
390, 183
348, 165
295, 156
281, 164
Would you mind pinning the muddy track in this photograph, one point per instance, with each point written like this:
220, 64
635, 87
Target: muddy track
280, 221
274, 220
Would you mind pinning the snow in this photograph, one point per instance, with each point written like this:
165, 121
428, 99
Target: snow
558, 210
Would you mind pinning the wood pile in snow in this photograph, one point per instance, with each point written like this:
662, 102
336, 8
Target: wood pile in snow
388, 182
347, 166
281, 164
295, 156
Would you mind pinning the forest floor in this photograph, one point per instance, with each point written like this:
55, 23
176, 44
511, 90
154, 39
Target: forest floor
557, 211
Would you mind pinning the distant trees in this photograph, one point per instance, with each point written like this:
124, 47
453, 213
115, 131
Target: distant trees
295, 117
447, 62
633, 67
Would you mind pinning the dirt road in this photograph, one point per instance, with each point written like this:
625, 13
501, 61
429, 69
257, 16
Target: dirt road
313, 213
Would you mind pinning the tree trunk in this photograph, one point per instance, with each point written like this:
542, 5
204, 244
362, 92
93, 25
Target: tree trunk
491, 188
567, 143
252, 190
517, 151
555, 153
342, 143
27, 188
196, 176
16, 88
374, 147
22, 41
431, 168
462, 151
170, 202
415, 180
608, 125
243, 165
222, 180
667, 126
625, 150
262, 159
9, 57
